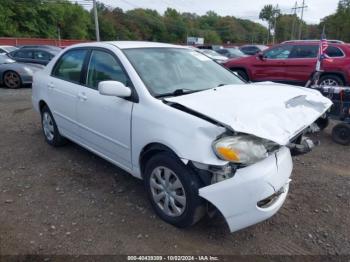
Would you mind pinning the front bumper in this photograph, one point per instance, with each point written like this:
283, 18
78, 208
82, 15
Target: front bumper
237, 198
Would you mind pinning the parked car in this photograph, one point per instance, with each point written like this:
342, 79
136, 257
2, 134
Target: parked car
213, 55
190, 128
231, 52
34, 55
212, 47
253, 49
41, 46
294, 62
5, 49
15, 75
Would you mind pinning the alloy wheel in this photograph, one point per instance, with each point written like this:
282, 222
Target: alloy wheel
48, 126
12, 80
167, 191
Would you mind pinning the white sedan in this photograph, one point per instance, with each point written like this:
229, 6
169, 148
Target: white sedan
193, 131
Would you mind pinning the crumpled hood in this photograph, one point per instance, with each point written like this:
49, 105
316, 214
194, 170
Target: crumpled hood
272, 111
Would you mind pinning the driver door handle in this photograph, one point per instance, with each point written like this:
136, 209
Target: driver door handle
82, 96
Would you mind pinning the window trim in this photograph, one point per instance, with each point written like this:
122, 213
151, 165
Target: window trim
134, 96
340, 50
82, 68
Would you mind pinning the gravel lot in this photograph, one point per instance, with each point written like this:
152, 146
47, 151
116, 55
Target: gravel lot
69, 201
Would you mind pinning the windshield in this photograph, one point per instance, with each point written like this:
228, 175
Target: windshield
165, 70
236, 51
210, 52
4, 59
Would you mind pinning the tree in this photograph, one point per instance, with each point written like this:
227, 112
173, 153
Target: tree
268, 14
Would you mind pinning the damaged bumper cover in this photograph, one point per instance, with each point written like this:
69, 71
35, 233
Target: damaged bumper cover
255, 193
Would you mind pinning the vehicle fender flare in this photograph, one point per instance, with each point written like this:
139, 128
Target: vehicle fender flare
340, 74
150, 150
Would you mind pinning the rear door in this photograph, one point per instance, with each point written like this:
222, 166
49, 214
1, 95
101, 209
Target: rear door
272, 66
105, 121
63, 87
301, 63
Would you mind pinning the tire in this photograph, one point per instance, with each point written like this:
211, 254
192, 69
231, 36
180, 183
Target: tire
50, 130
331, 80
184, 206
12, 80
341, 134
242, 74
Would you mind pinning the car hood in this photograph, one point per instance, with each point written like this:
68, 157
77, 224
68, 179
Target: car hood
271, 111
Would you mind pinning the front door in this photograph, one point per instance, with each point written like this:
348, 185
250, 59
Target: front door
105, 121
272, 66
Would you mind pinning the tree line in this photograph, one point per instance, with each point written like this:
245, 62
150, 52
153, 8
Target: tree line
48, 18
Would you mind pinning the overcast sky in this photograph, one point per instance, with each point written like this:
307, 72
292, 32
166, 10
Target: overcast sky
249, 9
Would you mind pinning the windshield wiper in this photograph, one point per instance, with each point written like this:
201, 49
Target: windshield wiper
178, 92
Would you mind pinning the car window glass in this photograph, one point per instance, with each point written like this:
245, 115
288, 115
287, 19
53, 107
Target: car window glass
2, 51
333, 51
304, 51
102, 67
279, 52
42, 55
69, 65
27, 54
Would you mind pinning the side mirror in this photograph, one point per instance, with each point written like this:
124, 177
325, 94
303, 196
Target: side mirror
261, 56
114, 88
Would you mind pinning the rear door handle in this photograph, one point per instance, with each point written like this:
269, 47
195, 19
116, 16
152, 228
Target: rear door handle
50, 85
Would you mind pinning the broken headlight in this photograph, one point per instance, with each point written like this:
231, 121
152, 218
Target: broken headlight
243, 149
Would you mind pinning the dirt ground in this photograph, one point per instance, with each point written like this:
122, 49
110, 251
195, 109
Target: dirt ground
69, 201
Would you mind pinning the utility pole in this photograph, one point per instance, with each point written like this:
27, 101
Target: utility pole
97, 28
301, 18
274, 26
294, 20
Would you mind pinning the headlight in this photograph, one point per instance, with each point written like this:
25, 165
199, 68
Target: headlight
242, 149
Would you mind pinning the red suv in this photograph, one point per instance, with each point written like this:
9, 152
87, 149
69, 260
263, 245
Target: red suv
294, 62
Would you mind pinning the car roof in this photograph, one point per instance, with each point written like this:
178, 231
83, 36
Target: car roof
127, 44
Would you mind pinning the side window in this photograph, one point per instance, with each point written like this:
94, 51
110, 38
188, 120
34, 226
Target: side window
304, 51
102, 67
42, 55
26, 54
279, 52
2, 51
69, 65
333, 51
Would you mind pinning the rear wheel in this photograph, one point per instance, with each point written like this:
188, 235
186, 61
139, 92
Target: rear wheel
341, 134
12, 80
331, 80
173, 190
50, 130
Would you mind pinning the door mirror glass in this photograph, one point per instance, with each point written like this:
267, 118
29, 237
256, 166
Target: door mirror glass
114, 88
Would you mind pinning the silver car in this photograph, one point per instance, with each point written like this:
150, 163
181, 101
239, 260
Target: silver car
14, 74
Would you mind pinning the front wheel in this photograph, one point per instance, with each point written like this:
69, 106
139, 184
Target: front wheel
173, 190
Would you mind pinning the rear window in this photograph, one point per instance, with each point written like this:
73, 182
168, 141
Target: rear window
304, 51
28, 54
333, 51
70, 65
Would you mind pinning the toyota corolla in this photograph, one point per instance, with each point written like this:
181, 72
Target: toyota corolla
199, 137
